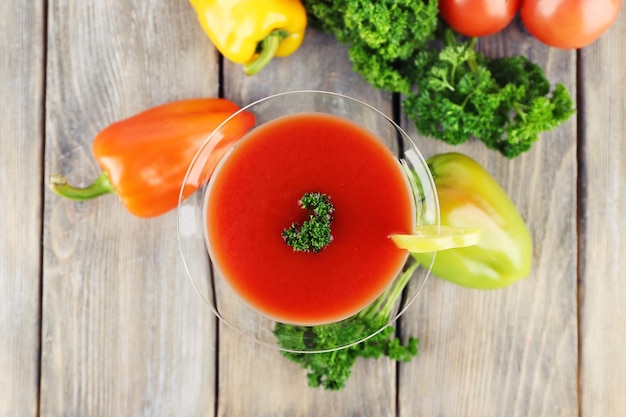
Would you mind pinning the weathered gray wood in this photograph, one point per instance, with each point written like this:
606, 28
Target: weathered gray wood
124, 333
259, 380
603, 225
510, 352
21, 139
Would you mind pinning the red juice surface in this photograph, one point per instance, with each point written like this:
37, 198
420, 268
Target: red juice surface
254, 195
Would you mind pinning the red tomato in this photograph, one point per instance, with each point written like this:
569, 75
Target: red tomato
478, 17
569, 23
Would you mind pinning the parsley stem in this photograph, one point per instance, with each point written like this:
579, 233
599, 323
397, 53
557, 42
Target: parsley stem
518, 107
472, 61
384, 303
449, 37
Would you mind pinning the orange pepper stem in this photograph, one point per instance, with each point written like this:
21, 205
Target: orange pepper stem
267, 49
101, 186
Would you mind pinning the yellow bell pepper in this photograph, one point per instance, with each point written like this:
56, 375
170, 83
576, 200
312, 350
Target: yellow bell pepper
252, 32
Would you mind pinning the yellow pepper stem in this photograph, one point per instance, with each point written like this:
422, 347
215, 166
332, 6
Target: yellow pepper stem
266, 51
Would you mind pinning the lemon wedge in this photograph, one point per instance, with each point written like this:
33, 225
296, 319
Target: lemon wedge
431, 238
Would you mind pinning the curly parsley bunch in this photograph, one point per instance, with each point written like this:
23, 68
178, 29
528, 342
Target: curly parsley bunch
451, 90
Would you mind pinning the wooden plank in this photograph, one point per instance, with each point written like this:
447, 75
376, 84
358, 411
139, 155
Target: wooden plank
603, 226
124, 333
254, 377
509, 352
21, 133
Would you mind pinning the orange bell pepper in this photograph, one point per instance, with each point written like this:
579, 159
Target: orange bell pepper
145, 157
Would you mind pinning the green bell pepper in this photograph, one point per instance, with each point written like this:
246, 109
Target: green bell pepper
470, 197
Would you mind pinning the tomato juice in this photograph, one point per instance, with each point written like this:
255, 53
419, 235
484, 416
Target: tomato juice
253, 195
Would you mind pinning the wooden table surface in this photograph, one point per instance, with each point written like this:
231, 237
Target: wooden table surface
99, 319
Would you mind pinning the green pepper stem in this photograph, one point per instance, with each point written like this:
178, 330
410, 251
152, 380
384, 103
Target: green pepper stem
267, 49
101, 186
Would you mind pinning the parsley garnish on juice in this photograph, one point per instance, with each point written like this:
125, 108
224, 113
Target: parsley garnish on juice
314, 234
